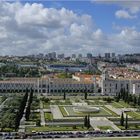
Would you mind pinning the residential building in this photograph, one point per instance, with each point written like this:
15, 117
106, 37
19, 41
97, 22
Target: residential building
73, 56
61, 56
89, 55
79, 55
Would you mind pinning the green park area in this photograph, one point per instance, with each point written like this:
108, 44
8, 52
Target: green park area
34, 116
67, 112
47, 102
9, 111
105, 128
134, 115
2, 98
48, 116
56, 128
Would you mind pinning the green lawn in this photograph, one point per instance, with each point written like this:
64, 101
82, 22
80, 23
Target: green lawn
0, 99
48, 116
64, 113
46, 105
130, 127
124, 104
34, 116
117, 105
55, 128
134, 115
105, 127
112, 113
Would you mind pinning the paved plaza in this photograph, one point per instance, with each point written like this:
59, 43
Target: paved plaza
42, 114
56, 112
101, 121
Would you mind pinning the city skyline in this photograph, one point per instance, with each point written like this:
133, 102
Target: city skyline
33, 27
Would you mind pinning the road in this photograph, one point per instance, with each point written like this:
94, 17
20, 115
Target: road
75, 135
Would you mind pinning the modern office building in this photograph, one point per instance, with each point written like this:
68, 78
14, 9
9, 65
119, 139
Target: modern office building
61, 56
79, 55
52, 55
113, 55
89, 55
107, 55
73, 56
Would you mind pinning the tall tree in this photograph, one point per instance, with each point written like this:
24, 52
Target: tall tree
28, 109
124, 94
85, 121
85, 93
64, 96
135, 100
126, 122
121, 93
27, 114
31, 95
126, 97
130, 98
122, 119
139, 100
88, 121
117, 97
20, 111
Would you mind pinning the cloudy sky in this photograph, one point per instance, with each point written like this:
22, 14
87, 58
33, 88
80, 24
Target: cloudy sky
95, 26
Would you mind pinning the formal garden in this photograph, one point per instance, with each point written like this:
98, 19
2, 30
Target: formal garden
67, 113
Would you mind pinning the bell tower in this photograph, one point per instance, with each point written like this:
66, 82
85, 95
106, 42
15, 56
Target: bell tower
105, 75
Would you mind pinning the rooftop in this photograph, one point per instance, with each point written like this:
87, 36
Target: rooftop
123, 73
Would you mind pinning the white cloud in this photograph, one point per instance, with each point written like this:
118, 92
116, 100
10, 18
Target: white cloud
33, 28
127, 40
132, 6
129, 8
124, 14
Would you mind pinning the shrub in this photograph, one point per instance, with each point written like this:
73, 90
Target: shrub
74, 127
38, 123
